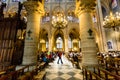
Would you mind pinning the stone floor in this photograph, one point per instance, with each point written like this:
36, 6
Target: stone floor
63, 71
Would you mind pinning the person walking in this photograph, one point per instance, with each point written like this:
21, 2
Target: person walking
59, 57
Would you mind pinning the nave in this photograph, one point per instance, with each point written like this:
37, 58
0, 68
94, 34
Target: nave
65, 71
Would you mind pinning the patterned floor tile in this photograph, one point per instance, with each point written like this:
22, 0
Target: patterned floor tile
66, 76
60, 73
73, 78
79, 76
58, 78
51, 76
63, 71
71, 73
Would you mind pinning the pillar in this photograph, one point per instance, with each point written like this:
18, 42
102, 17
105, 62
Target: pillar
34, 12
102, 38
43, 46
88, 45
50, 43
66, 44
75, 44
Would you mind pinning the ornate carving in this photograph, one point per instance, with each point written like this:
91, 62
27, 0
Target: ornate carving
34, 6
84, 6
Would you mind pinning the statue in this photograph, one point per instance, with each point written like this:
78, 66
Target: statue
3, 5
19, 8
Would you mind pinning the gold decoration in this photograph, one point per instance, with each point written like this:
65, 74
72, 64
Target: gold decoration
112, 21
34, 6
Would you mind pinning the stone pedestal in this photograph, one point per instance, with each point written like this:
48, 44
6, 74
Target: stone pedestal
88, 44
34, 13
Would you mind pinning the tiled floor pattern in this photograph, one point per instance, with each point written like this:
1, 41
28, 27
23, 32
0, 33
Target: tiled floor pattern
63, 71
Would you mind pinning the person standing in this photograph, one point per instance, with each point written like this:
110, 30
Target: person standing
60, 57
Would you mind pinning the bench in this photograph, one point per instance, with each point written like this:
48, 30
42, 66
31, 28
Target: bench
7, 70
90, 75
41, 65
13, 75
40, 76
25, 74
114, 70
92, 72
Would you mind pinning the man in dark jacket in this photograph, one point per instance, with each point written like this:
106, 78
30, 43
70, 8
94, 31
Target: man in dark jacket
59, 57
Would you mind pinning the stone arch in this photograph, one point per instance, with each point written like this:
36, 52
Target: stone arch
74, 32
105, 6
47, 11
44, 34
43, 39
75, 39
71, 8
57, 9
58, 33
71, 14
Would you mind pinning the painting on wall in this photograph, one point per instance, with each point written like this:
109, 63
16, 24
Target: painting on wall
109, 45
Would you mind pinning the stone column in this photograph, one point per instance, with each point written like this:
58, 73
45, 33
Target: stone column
43, 46
102, 38
50, 43
75, 45
66, 44
34, 12
88, 45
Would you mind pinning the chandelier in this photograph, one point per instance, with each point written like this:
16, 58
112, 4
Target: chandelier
112, 21
58, 19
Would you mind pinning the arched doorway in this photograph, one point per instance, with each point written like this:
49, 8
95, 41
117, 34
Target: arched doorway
58, 40
74, 40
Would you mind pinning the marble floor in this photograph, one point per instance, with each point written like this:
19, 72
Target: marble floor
63, 71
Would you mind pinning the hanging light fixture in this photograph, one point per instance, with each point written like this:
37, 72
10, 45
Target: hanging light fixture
58, 19
112, 21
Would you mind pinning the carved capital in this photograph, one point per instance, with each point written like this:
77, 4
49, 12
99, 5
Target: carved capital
84, 6
34, 7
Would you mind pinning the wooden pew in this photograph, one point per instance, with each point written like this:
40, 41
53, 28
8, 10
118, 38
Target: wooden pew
37, 74
105, 74
109, 74
92, 72
25, 74
7, 70
90, 75
42, 65
114, 70
40, 76
13, 75
23, 70
117, 62
4, 78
